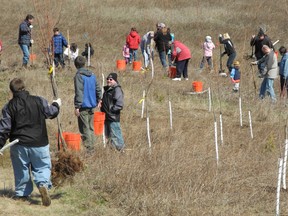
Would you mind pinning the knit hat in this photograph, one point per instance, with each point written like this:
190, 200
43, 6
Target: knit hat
208, 38
226, 36
161, 25
236, 63
113, 76
151, 33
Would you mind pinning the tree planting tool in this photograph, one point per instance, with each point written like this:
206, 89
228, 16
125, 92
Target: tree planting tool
8, 146
221, 71
55, 95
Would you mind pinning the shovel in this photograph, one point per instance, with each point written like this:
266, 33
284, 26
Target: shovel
221, 71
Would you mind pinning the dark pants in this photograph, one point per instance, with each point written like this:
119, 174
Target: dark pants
261, 66
230, 61
58, 58
86, 128
283, 85
182, 68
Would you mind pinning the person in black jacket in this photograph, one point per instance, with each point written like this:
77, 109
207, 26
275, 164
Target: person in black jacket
162, 39
258, 41
23, 118
24, 38
229, 50
112, 104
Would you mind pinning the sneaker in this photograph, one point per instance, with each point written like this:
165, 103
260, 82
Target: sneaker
176, 79
186, 79
46, 200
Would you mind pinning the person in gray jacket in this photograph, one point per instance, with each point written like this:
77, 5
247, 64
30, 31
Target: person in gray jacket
87, 96
270, 72
112, 104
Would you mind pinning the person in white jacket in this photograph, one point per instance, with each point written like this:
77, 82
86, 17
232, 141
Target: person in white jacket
73, 52
270, 72
147, 47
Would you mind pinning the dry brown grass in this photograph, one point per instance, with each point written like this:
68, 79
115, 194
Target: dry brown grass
179, 175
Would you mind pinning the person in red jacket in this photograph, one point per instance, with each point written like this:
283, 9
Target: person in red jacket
133, 40
181, 55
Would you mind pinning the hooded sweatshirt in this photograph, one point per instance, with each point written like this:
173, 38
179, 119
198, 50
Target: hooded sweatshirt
133, 40
180, 51
87, 90
208, 47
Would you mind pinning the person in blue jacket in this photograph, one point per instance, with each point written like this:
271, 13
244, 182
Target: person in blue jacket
24, 38
283, 71
235, 75
87, 96
59, 41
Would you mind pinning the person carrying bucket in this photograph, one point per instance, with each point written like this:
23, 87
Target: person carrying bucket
111, 104
147, 48
181, 55
87, 95
235, 76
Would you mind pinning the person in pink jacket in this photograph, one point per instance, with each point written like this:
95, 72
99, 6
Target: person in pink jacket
181, 55
207, 47
133, 41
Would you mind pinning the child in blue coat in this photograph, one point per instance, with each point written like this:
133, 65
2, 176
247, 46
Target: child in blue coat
235, 75
58, 41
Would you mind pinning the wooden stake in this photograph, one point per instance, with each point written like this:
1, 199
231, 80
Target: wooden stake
89, 56
209, 99
69, 53
148, 133
170, 111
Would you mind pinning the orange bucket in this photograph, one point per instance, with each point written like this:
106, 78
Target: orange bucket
172, 72
197, 86
136, 66
32, 57
99, 118
121, 65
72, 140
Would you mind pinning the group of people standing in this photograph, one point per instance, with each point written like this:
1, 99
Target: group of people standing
56, 48
24, 118
170, 52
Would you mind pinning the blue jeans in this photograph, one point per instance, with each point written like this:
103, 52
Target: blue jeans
162, 56
26, 53
133, 54
114, 134
261, 66
267, 85
34, 159
207, 59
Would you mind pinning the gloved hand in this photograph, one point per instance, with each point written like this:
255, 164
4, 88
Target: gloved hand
254, 63
220, 35
31, 26
58, 101
31, 41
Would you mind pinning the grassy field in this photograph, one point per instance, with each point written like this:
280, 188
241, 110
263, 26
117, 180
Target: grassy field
179, 174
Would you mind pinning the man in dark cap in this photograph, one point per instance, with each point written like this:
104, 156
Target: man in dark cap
112, 104
258, 41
